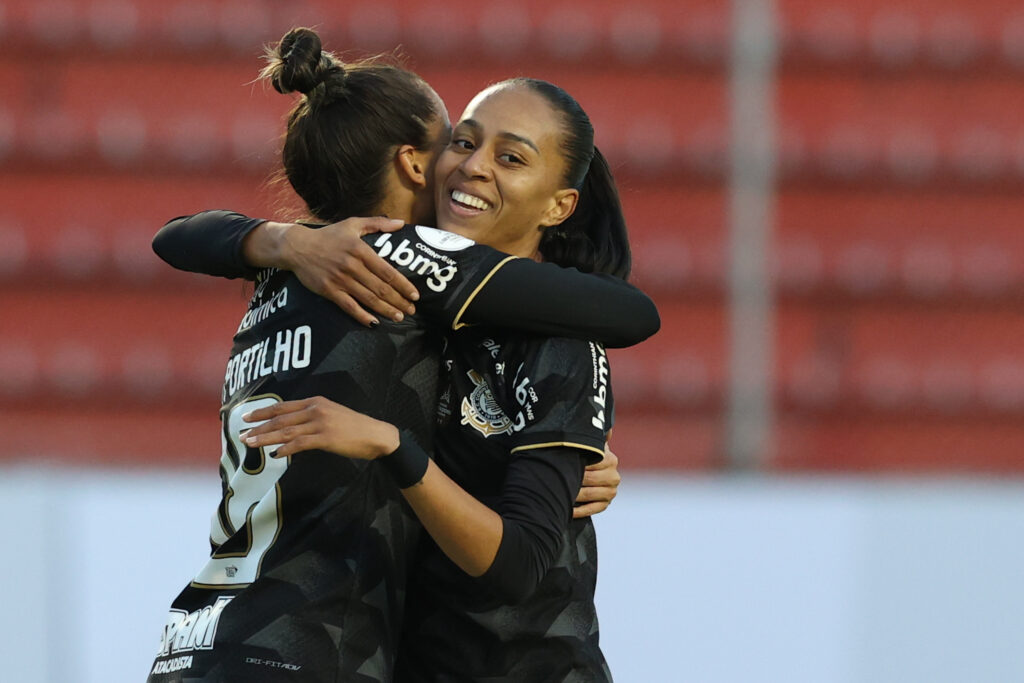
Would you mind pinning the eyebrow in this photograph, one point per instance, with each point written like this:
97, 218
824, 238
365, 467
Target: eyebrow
503, 134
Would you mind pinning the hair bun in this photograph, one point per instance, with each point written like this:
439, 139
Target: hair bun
299, 64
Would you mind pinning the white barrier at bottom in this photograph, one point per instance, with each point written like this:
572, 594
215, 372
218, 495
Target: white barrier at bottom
710, 580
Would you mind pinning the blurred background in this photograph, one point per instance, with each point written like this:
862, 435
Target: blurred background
822, 448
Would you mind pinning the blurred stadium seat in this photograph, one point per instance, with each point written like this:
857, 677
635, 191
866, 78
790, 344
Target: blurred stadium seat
897, 255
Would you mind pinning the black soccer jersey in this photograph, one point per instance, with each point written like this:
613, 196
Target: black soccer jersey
307, 573
310, 553
508, 398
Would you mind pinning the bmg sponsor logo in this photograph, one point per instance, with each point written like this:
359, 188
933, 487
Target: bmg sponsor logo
438, 269
600, 385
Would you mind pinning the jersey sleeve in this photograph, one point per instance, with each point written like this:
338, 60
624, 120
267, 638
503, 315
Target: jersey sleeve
549, 300
446, 269
535, 507
209, 242
561, 397
460, 282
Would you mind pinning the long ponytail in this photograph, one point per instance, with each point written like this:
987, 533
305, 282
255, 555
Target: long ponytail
594, 238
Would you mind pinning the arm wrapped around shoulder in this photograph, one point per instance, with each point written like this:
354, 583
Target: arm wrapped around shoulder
209, 242
549, 300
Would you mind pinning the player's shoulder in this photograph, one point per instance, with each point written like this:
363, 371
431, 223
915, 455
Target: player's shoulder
441, 239
433, 238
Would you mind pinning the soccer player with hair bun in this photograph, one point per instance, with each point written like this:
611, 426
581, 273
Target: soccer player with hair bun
312, 552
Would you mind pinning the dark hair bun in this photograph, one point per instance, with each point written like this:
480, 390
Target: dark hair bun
299, 64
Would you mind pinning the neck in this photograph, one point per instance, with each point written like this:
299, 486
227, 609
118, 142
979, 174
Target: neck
391, 208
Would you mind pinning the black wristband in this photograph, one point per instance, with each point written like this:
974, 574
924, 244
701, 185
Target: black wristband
408, 463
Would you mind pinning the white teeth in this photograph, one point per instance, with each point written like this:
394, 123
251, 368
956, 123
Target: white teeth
470, 200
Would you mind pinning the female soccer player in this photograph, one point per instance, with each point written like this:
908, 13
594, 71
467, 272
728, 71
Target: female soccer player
310, 554
507, 591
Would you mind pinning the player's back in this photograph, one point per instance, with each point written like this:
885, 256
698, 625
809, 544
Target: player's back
307, 574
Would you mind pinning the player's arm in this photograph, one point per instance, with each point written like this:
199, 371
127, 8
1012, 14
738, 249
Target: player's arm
336, 263
549, 300
510, 549
332, 261
209, 242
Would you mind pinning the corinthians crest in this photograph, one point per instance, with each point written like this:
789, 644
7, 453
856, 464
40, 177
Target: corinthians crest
481, 412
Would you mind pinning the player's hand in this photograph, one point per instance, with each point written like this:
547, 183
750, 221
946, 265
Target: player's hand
337, 264
317, 423
600, 485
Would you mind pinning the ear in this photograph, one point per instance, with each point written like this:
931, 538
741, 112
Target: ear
411, 164
563, 206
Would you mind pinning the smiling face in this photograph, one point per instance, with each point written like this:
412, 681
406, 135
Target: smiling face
500, 181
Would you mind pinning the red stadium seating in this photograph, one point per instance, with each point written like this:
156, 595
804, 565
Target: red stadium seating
897, 254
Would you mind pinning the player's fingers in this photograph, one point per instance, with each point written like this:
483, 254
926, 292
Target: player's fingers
609, 460
275, 425
592, 494
382, 296
387, 274
294, 413
588, 510
604, 478
271, 411
363, 299
277, 431
607, 477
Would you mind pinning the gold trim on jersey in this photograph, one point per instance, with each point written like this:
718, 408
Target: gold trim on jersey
457, 323
551, 444
219, 586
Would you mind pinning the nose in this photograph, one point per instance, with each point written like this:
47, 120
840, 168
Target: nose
476, 165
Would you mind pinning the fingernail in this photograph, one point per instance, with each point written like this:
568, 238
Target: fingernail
251, 440
414, 295
374, 323
399, 317
247, 416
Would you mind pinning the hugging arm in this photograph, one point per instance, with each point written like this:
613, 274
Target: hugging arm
332, 261
335, 262
548, 300
208, 243
510, 545
509, 548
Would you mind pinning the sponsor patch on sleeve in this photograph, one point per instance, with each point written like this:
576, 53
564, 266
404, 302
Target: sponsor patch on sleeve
442, 239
